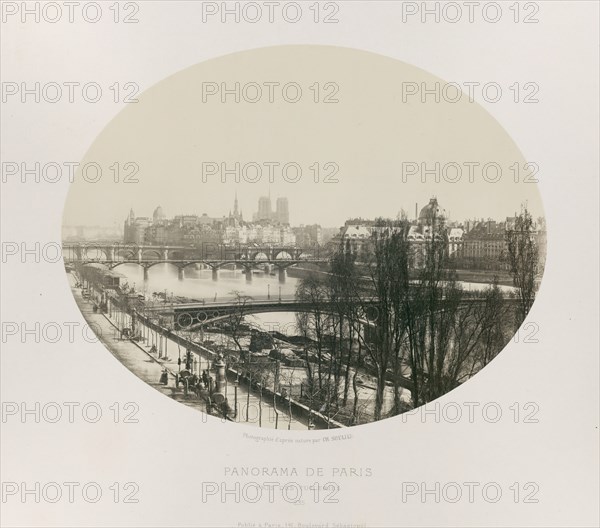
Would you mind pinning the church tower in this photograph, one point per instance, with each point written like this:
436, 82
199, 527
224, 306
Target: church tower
235, 206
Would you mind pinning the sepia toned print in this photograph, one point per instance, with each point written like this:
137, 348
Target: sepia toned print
273, 241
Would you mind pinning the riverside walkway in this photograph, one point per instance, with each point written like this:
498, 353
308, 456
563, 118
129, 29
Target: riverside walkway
147, 366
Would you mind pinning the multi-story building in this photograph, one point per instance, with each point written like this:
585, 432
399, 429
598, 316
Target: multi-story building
430, 223
186, 220
308, 236
134, 229
485, 242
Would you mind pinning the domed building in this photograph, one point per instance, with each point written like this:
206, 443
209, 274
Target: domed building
431, 224
158, 217
430, 212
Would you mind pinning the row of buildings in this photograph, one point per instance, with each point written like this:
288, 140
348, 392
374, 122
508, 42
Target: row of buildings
473, 244
82, 233
267, 227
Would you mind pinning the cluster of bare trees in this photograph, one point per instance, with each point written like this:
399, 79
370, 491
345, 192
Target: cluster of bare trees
411, 330
524, 261
414, 329
328, 347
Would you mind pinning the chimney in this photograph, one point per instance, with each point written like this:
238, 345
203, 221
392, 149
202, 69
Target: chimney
416, 211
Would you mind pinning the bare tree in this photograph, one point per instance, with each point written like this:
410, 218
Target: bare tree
412, 323
343, 274
241, 302
359, 356
523, 261
452, 333
430, 312
313, 324
388, 272
374, 301
494, 335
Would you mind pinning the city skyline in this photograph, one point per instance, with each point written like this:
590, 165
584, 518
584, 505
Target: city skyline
250, 211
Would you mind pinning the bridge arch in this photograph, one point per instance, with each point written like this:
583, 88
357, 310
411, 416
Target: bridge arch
203, 264
191, 319
126, 253
282, 254
144, 265
284, 264
258, 256
149, 265
95, 252
155, 252
122, 262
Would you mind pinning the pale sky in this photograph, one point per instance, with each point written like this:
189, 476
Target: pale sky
375, 141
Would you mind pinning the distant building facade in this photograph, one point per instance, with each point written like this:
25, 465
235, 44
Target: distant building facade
192, 230
134, 228
309, 236
357, 234
485, 244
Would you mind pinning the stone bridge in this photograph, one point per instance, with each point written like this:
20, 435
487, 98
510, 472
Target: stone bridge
213, 256
73, 252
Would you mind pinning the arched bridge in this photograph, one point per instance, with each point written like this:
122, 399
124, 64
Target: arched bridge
74, 252
192, 315
188, 316
213, 256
